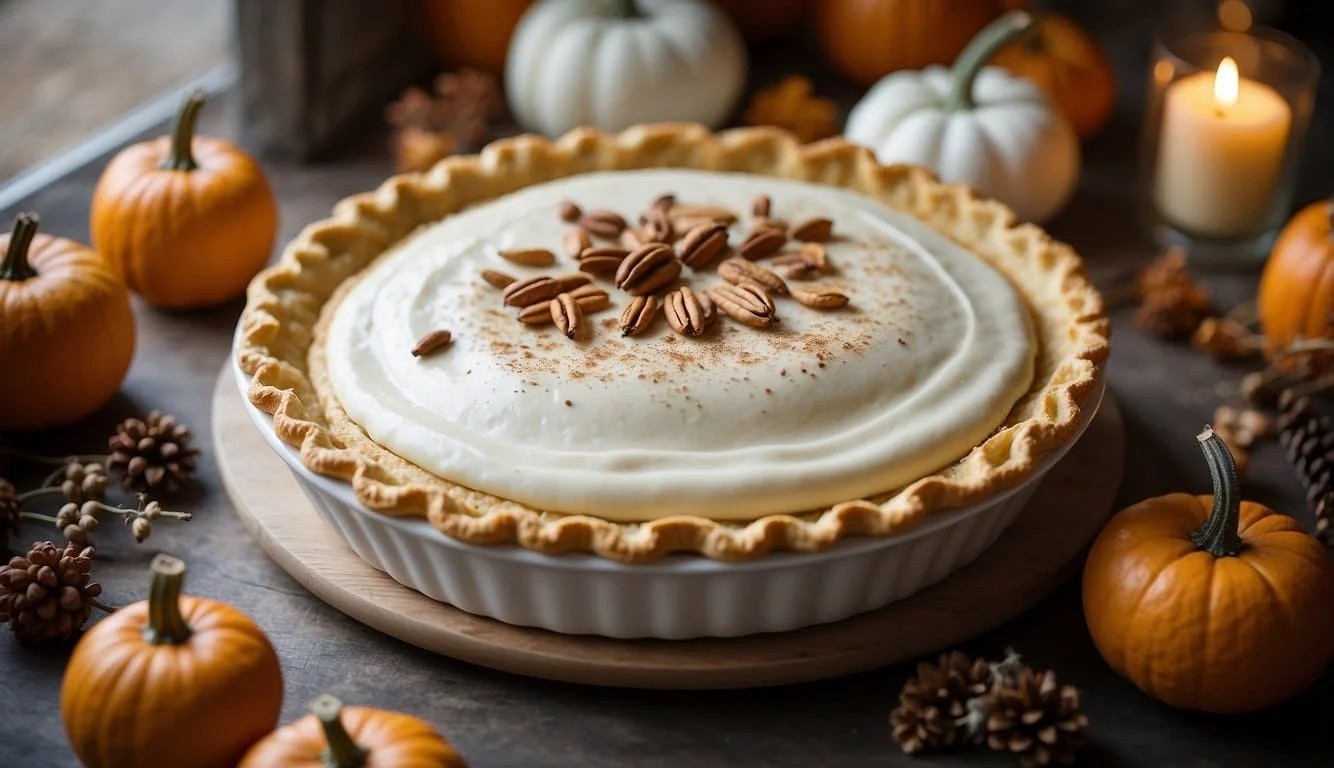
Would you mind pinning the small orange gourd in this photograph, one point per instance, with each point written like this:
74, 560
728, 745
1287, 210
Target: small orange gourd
1070, 66
170, 680
186, 220
66, 329
1209, 602
1296, 298
353, 737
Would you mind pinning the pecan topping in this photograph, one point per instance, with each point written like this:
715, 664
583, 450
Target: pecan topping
570, 282
747, 303
567, 315
820, 297
702, 244
657, 228
431, 342
737, 271
647, 269
524, 293
686, 217
602, 223
496, 279
686, 314
761, 243
590, 299
576, 240
816, 230
529, 257
760, 208
800, 264
569, 211
664, 202
601, 261
632, 238
638, 315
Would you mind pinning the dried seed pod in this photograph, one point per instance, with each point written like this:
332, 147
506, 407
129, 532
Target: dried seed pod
761, 207
748, 303
761, 243
496, 279
638, 315
685, 313
568, 211
432, 342
601, 261
647, 269
576, 240
567, 315
820, 297
737, 271
529, 257
813, 230
530, 291
701, 245
602, 223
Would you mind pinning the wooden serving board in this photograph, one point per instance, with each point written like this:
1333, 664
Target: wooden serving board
1024, 565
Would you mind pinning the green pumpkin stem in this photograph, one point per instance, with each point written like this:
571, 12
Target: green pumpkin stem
1220, 536
623, 9
181, 157
979, 51
342, 751
16, 266
166, 625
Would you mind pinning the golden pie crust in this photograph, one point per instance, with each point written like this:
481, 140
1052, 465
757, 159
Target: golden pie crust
288, 303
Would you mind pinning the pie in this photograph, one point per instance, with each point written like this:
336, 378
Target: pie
670, 340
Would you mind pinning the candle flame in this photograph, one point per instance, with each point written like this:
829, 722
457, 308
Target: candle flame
1225, 83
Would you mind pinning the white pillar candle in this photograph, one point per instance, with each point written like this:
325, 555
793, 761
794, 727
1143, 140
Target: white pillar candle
1220, 152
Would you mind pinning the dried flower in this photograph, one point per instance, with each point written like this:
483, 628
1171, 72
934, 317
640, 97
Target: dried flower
1172, 304
791, 105
1225, 340
430, 127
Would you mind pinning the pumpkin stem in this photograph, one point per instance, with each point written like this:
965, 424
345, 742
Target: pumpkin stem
623, 9
166, 625
1220, 536
16, 266
342, 751
979, 51
180, 157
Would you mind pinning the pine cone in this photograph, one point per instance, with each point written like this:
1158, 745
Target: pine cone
9, 512
152, 455
48, 594
1035, 717
1308, 443
931, 703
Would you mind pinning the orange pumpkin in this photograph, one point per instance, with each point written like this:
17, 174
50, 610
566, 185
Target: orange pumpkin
170, 680
1209, 602
66, 330
760, 20
1070, 66
186, 220
867, 39
1296, 299
467, 33
353, 737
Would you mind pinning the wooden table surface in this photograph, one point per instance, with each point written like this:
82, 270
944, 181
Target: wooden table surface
495, 719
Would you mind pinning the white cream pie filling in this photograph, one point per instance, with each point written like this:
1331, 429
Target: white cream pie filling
925, 362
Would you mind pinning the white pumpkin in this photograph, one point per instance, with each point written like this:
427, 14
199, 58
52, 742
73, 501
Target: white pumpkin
975, 125
611, 64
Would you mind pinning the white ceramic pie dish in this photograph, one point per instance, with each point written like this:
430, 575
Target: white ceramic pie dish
674, 598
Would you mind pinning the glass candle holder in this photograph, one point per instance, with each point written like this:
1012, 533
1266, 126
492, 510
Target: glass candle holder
1225, 119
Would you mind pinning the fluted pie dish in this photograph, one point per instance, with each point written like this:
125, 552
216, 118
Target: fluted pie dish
959, 350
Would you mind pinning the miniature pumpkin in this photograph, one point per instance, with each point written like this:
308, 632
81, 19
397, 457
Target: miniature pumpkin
613, 64
1210, 602
978, 126
867, 39
186, 220
66, 330
764, 20
334, 736
1070, 66
170, 680
466, 33
1296, 298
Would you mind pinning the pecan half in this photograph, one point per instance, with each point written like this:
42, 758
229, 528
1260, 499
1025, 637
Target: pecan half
590, 299
737, 271
656, 227
761, 243
686, 217
820, 297
601, 261
523, 293
638, 315
568, 211
529, 257
576, 240
647, 269
431, 342
567, 315
496, 279
686, 314
748, 303
702, 244
602, 223
632, 238
813, 230
761, 207
570, 282
664, 202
